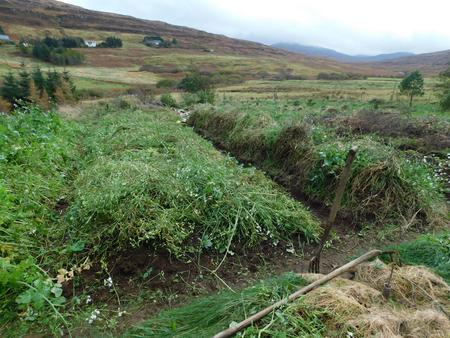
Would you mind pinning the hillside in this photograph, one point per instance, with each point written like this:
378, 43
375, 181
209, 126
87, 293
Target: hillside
209, 52
55, 14
335, 55
429, 62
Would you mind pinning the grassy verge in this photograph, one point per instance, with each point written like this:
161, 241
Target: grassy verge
386, 186
432, 251
36, 160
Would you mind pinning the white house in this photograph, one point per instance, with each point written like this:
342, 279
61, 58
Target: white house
4, 38
90, 43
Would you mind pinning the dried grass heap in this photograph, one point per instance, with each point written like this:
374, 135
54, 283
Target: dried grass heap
419, 306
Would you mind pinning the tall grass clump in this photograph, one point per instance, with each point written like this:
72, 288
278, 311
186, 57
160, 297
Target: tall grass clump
431, 250
150, 181
386, 187
36, 158
207, 316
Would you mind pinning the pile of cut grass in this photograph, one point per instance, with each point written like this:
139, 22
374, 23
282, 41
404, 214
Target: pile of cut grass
148, 180
37, 156
386, 187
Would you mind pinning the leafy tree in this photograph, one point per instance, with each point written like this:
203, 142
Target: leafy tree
1, 30
412, 86
174, 41
194, 82
10, 88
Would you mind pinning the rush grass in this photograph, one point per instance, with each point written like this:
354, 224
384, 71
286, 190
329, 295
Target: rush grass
207, 316
386, 187
148, 180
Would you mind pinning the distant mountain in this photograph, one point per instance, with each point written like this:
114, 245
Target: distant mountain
334, 55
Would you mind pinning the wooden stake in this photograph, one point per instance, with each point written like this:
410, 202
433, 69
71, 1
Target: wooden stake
314, 264
249, 321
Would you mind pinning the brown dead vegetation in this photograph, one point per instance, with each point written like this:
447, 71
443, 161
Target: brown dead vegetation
418, 307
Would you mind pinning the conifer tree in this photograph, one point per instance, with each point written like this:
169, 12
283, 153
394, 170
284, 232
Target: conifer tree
52, 83
24, 85
10, 88
39, 80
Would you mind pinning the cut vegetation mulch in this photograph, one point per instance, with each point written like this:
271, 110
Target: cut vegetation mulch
148, 179
386, 186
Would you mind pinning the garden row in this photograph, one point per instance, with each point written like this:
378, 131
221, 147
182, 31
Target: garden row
386, 186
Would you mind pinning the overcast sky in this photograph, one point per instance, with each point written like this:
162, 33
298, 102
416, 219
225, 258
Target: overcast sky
350, 26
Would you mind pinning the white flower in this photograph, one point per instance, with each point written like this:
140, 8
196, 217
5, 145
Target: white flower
93, 317
88, 300
108, 282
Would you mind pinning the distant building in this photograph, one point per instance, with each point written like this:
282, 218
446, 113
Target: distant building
4, 38
90, 43
153, 41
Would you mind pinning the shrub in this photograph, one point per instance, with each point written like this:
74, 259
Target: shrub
445, 102
168, 100
189, 99
166, 83
206, 96
194, 82
111, 42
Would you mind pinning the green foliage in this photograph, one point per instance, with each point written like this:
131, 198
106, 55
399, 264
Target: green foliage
2, 31
206, 96
444, 89
340, 76
208, 316
194, 82
166, 83
14, 89
151, 180
168, 100
10, 89
111, 42
49, 50
24, 84
412, 85
35, 159
430, 250
39, 80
